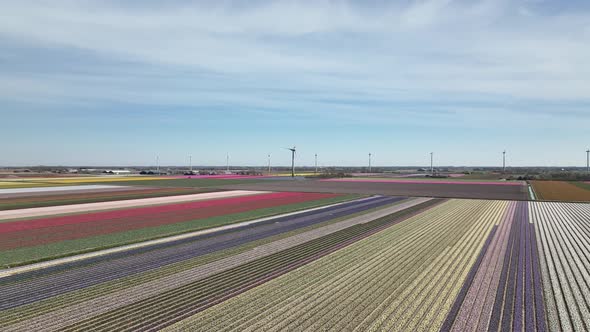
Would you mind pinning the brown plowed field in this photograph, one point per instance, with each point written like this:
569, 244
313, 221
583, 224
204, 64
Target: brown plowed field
560, 191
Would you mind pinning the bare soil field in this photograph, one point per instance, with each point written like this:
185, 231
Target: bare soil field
560, 191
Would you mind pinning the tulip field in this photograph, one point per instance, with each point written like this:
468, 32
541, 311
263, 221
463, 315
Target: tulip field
294, 261
66, 197
27, 237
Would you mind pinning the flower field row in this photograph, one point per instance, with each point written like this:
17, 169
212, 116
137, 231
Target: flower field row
151, 181
59, 181
80, 188
376, 264
428, 181
263, 259
220, 176
42, 238
183, 301
402, 278
34, 232
68, 198
146, 259
564, 247
528, 271
46, 211
506, 290
166, 211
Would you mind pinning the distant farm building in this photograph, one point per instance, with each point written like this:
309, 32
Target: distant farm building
117, 171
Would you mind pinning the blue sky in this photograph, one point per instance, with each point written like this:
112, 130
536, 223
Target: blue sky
119, 82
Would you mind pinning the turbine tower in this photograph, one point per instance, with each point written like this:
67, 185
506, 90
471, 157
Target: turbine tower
504, 161
293, 149
431, 163
227, 162
316, 164
588, 161
158, 164
369, 162
269, 163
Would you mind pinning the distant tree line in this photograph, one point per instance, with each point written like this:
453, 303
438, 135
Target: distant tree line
562, 176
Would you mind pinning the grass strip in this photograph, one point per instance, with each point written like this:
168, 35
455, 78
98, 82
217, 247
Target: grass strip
582, 185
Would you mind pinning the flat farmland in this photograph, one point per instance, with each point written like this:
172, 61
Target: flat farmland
561, 191
67, 196
56, 190
183, 261
154, 181
448, 189
377, 263
117, 203
185, 182
39, 238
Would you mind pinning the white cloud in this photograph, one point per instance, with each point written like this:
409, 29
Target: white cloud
425, 49
424, 13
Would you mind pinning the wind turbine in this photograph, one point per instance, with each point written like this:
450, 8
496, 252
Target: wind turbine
431, 164
504, 161
269, 163
227, 162
588, 161
293, 149
316, 163
369, 162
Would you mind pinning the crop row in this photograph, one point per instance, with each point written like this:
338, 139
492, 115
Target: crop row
90, 197
344, 279
476, 306
44, 286
515, 297
448, 190
160, 279
403, 278
564, 247
172, 305
176, 211
62, 248
428, 181
460, 265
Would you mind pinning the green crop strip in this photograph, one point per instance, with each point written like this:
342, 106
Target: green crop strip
582, 185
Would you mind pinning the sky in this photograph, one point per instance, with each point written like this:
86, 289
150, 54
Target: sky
121, 82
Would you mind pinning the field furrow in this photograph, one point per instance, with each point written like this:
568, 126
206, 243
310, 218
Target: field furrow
201, 293
562, 232
365, 285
